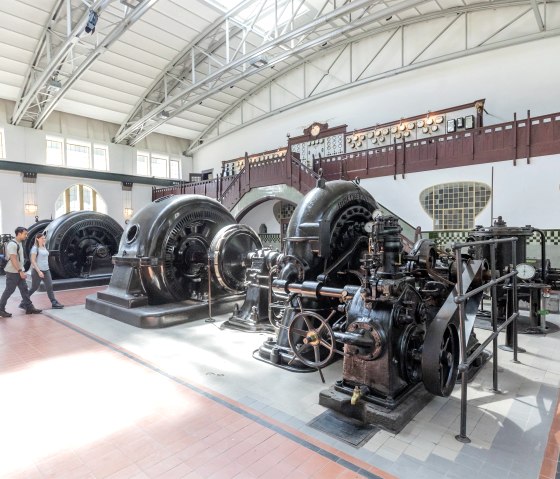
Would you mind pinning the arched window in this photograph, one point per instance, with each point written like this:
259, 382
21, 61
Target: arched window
77, 198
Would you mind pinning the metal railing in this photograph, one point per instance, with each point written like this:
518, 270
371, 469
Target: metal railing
460, 299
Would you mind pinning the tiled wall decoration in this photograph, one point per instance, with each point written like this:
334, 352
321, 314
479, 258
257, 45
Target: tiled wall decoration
445, 239
552, 237
283, 210
454, 206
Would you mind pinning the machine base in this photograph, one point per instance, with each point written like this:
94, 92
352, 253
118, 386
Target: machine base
248, 325
392, 420
161, 316
280, 356
73, 283
476, 366
525, 325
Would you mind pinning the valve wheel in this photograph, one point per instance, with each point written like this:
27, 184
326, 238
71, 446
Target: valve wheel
440, 357
311, 339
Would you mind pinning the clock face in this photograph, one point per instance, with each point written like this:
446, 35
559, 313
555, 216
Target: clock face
525, 271
315, 130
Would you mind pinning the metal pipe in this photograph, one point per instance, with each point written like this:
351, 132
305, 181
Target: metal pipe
543, 252
476, 243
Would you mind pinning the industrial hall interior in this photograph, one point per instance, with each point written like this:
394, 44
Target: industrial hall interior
287, 239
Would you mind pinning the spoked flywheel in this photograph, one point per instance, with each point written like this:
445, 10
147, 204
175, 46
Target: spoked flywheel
440, 357
311, 339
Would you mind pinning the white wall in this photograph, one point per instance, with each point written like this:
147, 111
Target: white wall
523, 194
513, 79
26, 145
262, 213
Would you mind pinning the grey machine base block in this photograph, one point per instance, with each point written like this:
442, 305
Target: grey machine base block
74, 283
392, 420
161, 316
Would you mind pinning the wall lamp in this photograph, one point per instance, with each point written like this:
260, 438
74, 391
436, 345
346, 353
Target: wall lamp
31, 209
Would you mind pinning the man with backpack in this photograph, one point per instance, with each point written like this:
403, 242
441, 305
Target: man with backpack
15, 275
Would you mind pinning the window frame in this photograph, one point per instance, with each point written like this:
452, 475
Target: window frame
146, 154
55, 139
179, 170
164, 158
105, 148
82, 144
2, 144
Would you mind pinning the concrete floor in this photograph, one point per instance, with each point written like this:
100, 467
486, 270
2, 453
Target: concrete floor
515, 434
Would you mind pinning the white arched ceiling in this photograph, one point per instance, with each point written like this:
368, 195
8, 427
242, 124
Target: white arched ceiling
201, 69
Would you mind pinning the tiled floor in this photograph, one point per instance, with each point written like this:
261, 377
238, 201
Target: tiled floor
82, 395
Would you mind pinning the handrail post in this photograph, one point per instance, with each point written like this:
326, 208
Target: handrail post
515, 303
248, 170
494, 312
462, 436
528, 137
515, 139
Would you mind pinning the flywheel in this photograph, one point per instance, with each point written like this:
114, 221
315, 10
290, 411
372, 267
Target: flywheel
440, 357
229, 256
311, 339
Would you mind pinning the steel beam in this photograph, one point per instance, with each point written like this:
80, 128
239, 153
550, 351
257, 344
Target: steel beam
394, 28
46, 85
206, 86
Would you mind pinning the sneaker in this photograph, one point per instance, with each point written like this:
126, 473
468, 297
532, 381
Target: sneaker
5, 314
32, 310
57, 305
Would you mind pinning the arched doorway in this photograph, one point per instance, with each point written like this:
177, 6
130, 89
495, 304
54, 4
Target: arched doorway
270, 218
79, 197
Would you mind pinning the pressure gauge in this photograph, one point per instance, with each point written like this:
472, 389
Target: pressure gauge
525, 271
368, 227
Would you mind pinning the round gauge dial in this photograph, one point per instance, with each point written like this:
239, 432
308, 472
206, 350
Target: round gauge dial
315, 130
525, 271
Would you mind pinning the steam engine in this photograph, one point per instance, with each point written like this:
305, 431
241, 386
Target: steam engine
344, 285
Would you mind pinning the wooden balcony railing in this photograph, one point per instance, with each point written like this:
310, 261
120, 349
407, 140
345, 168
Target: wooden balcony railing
513, 141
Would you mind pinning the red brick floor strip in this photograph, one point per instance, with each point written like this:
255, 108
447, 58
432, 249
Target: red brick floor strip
201, 434
550, 468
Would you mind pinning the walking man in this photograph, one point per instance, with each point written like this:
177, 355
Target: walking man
15, 275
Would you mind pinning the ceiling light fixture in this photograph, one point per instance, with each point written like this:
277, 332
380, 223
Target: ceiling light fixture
91, 22
53, 85
130, 3
259, 61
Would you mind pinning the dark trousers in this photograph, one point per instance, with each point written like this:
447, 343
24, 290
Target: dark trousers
13, 281
36, 281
